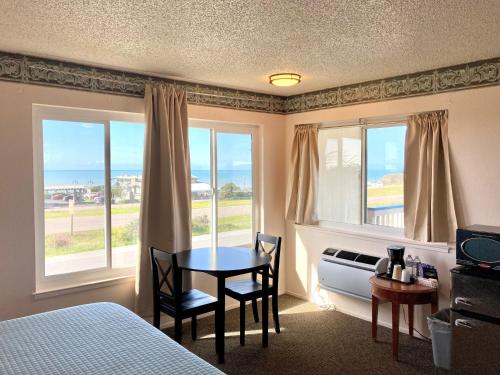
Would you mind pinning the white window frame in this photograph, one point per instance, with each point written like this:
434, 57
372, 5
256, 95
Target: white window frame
216, 127
40, 113
363, 227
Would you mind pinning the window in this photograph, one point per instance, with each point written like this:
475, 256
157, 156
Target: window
361, 174
384, 176
340, 175
223, 174
88, 172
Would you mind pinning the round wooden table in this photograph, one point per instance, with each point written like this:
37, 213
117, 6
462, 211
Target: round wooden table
400, 294
223, 262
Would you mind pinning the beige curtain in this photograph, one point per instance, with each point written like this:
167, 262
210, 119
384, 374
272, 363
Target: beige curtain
429, 213
166, 184
303, 181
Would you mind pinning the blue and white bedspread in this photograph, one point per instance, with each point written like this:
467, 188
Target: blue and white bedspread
99, 338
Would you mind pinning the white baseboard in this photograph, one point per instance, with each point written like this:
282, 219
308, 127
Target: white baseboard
296, 295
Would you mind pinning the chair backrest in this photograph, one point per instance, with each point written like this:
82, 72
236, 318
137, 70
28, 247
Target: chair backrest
273, 248
167, 278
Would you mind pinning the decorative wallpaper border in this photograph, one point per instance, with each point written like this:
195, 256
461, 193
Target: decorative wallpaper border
40, 71
454, 78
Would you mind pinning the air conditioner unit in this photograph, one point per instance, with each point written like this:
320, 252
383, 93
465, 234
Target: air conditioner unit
348, 272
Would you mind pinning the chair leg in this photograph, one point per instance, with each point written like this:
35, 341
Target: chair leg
193, 327
156, 318
215, 341
178, 330
255, 311
275, 313
242, 323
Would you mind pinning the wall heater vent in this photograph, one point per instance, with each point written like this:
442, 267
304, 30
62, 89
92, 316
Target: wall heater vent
348, 272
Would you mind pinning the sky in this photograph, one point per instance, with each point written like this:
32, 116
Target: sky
80, 146
234, 151
385, 148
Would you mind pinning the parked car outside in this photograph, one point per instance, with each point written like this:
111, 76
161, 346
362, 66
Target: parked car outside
101, 200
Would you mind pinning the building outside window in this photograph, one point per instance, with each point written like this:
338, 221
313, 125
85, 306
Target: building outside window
224, 194
88, 179
88, 174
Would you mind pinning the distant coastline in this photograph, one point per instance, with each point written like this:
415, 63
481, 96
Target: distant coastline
242, 178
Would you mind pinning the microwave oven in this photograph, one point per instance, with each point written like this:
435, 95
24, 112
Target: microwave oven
479, 246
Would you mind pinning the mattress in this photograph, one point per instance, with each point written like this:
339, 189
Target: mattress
99, 338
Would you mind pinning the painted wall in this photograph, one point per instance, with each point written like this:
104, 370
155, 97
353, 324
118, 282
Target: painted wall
475, 150
474, 137
17, 254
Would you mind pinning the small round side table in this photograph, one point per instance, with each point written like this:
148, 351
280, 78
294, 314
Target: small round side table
399, 294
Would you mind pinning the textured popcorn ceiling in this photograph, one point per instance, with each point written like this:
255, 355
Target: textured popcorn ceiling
239, 43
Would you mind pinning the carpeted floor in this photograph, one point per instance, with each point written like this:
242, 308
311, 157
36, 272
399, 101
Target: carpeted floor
312, 341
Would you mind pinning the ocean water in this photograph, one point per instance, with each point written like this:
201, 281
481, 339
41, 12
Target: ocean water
242, 178
96, 177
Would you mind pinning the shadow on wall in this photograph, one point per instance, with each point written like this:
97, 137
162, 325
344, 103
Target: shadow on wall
458, 193
301, 267
306, 257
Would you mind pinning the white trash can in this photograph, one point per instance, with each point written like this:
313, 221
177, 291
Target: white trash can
440, 327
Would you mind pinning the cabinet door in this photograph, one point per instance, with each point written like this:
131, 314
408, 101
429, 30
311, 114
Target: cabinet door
476, 294
475, 345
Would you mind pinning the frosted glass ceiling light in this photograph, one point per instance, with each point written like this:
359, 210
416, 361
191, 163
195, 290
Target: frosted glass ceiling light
284, 79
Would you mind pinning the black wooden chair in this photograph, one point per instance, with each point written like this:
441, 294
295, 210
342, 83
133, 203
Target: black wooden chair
169, 298
251, 290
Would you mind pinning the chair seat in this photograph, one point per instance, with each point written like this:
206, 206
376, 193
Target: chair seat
245, 288
192, 299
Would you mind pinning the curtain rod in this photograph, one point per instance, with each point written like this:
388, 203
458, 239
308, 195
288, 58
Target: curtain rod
375, 120
361, 123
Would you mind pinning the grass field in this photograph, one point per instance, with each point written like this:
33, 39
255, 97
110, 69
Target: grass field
65, 243
384, 196
99, 211
201, 225
385, 190
134, 208
89, 240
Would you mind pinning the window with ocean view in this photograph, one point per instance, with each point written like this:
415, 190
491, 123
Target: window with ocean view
89, 188
361, 174
384, 176
73, 155
222, 185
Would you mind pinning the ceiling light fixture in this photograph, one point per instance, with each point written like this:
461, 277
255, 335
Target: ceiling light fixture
284, 79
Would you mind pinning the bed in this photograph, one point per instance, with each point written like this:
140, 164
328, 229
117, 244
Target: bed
98, 338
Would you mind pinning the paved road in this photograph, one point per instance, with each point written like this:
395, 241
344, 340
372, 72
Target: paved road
125, 256
82, 223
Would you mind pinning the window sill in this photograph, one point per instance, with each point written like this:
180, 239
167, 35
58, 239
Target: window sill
374, 233
43, 293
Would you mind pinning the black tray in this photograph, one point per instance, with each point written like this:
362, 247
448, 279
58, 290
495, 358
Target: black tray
384, 276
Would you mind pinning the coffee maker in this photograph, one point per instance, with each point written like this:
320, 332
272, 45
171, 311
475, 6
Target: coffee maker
396, 254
